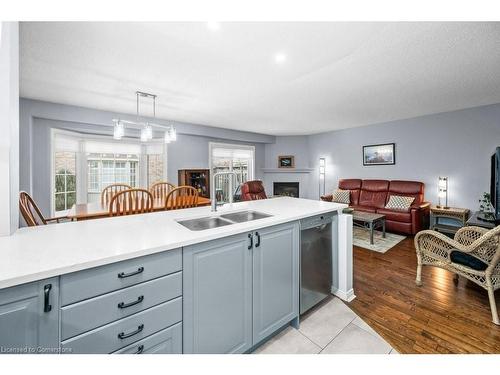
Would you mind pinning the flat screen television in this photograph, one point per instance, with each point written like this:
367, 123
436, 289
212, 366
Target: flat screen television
495, 182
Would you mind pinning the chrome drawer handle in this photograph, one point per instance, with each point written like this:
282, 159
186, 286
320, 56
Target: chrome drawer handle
124, 335
123, 275
123, 305
140, 349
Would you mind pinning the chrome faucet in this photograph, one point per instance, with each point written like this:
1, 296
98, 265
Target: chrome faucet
213, 196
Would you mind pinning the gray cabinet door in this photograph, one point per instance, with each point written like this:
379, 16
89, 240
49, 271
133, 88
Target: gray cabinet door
217, 294
275, 278
24, 325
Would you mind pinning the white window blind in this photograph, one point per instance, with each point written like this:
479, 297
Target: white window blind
64, 142
94, 147
232, 153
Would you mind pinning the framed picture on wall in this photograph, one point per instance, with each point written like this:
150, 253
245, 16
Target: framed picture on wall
383, 154
286, 161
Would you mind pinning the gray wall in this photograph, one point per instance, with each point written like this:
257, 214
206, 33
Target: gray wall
455, 144
190, 152
37, 118
290, 145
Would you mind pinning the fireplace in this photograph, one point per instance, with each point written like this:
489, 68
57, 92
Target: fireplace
286, 189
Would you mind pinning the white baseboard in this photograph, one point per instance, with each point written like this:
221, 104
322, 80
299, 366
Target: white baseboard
345, 296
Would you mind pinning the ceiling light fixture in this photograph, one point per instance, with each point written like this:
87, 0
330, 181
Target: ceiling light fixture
280, 58
118, 129
145, 126
170, 135
214, 26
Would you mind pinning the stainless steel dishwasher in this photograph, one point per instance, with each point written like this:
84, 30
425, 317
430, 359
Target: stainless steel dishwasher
315, 260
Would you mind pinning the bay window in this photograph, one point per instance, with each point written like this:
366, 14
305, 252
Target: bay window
106, 169
83, 165
64, 180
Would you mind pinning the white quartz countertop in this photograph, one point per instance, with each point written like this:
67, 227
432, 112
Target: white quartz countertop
37, 253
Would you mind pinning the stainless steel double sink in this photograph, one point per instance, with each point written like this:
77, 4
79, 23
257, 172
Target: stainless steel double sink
211, 222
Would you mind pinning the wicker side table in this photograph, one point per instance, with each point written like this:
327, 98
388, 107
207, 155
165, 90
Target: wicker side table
457, 215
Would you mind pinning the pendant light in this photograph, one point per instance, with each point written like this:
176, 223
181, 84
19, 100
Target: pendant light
118, 129
146, 128
170, 135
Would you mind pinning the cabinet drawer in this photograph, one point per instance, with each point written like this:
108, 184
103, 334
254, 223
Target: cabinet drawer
168, 341
121, 333
81, 285
91, 313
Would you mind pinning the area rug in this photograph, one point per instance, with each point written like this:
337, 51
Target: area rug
361, 238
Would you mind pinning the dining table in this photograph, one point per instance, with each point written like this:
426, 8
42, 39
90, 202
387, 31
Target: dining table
96, 210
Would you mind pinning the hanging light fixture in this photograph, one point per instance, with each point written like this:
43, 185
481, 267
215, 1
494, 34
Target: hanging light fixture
170, 135
173, 133
118, 130
146, 127
167, 138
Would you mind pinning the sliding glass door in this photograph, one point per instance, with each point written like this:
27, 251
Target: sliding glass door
236, 158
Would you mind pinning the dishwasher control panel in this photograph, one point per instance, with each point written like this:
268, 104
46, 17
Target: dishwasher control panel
316, 221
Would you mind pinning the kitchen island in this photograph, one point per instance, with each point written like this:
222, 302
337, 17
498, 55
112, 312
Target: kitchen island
146, 283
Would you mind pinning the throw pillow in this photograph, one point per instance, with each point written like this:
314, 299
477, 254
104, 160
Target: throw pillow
397, 202
342, 196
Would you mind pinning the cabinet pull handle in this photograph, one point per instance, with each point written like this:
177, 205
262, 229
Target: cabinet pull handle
46, 298
123, 305
258, 239
123, 275
250, 245
124, 335
140, 349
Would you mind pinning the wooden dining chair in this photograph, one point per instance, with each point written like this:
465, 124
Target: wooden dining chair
181, 197
109, 191
30, 212
131, 202
160, 190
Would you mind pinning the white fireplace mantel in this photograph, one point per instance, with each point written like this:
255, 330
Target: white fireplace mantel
287, 170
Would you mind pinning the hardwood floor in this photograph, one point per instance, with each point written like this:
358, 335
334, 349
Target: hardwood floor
439, 317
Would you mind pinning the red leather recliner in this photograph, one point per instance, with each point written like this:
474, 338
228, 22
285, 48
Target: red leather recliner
373, 195
253, 190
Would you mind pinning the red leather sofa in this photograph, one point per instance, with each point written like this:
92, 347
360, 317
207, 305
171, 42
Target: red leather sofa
373, 195
253, 190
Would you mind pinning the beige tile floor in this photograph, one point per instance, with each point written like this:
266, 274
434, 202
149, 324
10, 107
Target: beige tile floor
331, 328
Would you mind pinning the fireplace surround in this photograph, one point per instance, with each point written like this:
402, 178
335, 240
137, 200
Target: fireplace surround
286, 189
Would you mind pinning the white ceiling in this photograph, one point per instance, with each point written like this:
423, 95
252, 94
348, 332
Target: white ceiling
336, 75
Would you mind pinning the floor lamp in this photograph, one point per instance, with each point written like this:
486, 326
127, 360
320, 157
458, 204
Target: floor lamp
322, 167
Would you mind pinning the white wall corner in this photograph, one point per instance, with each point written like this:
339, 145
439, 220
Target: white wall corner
9, 127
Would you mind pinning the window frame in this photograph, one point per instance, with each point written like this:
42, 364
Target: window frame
101, 158
81, 163
65, 192
231, 146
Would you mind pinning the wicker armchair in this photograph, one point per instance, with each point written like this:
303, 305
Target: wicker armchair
474, 253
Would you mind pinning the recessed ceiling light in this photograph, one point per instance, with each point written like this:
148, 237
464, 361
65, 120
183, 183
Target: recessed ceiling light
280, 58
213, 26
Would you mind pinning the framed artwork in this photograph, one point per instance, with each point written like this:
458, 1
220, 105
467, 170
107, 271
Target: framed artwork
383, 154
286, 161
